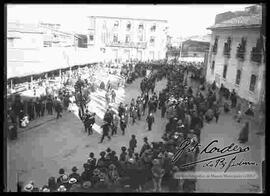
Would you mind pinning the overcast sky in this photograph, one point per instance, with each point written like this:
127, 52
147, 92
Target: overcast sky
183, 20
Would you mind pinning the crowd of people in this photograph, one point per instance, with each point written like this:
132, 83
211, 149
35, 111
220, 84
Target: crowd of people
186, 109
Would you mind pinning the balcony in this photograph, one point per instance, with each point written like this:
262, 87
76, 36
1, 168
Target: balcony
256, 56
141, 45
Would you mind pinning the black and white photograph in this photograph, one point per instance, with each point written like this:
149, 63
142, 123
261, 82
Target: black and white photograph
139, 98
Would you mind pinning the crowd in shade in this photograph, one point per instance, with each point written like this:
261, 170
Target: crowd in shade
152, 167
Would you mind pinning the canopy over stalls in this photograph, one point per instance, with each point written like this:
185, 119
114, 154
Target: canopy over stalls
21, 62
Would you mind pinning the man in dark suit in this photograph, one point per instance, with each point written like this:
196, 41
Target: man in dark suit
106, 129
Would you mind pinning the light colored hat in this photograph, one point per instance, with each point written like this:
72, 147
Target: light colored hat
155, 162
72, 181
29, 187
131, 160
46, 190
64, 178
62, 188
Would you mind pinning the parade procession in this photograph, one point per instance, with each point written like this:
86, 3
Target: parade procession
135, 121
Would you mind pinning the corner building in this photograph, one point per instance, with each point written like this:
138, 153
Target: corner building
237, 58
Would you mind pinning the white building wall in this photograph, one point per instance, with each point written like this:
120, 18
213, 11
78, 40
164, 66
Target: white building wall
159, 48
248, 67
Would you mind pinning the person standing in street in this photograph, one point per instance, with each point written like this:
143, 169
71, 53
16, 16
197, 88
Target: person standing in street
58, 109
106, 128
115, 123
243, 136
150, 120
113, 94
123, 124
133, 143
216, 113
233, 99
92, 121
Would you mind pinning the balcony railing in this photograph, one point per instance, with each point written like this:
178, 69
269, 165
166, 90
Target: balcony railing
128, 45
256, 56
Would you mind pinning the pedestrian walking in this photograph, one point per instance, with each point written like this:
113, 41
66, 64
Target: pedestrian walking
133, 143
106, 128
243, 136
216, 113
113, 94
115, 124
123, 124
150, 120
92, 121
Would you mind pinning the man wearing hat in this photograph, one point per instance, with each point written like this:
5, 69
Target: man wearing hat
133, 143
106, 129
62, 188
61, 172
75, 175
29, 187
87, 173
145, 146
158, 174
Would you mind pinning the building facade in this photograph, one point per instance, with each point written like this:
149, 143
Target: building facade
37, 48
121, 39
236, 56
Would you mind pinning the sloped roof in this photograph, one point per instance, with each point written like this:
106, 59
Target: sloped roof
241, 21
19, 27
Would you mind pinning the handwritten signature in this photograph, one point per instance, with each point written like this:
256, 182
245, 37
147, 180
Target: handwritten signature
220, 160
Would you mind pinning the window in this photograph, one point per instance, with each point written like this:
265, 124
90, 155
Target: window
241, 49
10, 42
115, 38
91, 38
225, 71
116, 23
227, 47
140, 38
253, 80
215, 46
127, 38
104, 26
47, 44
238, 77
256, 53
213, 67
152, 41
128, 26
153, 28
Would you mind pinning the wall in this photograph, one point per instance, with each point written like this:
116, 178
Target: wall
248, 67
159, 49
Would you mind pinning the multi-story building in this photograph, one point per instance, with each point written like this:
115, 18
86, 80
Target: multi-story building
37, 48
128, 38
236, 57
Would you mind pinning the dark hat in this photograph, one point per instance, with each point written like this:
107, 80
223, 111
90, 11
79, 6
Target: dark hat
91, 154
74, 169
102, 153
123, 148
145, 138
61, 171
133, 136
113, 152
108, 150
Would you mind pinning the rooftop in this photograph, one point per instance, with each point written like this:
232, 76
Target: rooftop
240, 22
113, 17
